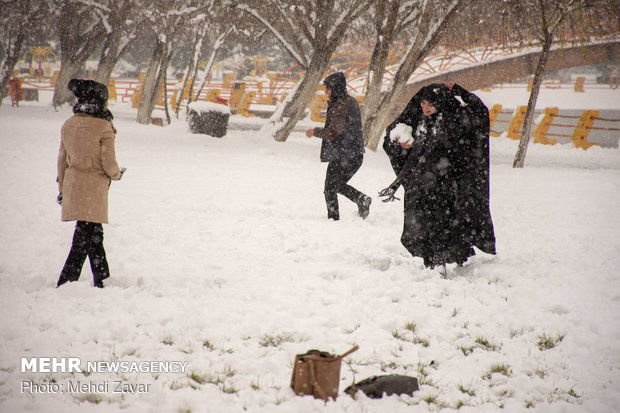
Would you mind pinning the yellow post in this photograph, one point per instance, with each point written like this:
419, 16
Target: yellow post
514, 127
137, 92
212, 94
112, 89
582, 130
493, 113
243, 108
135, 97
579, 84
540, 133
54, 78
228, 79
316, 106
236, 94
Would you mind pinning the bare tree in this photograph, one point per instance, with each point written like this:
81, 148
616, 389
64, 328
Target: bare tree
390, 18
167, 22
80, 30
123, 25
216, 46
432, 20
310, 31
17, 21
209, 30
564, 20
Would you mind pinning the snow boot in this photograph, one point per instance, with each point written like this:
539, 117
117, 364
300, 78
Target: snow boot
363, 206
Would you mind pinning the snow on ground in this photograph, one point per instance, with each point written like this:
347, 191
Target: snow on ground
222, 257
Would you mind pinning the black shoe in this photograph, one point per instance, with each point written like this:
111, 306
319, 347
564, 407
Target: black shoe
363, 207
98, 284
61, 281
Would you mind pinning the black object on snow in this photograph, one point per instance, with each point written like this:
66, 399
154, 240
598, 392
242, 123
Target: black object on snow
212, 123
376, 386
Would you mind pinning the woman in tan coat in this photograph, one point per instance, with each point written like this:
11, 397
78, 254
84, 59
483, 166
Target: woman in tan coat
86, 166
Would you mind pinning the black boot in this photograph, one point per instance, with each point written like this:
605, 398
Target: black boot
331, 201
363, 206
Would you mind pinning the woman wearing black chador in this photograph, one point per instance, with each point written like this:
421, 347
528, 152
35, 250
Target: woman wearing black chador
86, 166
439, 150
342, 146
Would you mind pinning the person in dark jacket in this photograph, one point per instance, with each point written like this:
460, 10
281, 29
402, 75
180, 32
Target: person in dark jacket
342, 146
86, 166
439, 150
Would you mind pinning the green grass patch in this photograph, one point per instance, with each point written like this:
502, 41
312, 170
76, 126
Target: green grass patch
484, 344
500, 368
197, 378
467, 390
546, 342
276, 340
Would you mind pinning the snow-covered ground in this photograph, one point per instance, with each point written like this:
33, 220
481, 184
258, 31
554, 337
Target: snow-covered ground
222, 257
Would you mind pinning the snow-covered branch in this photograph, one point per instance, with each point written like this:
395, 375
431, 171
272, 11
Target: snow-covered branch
301, 60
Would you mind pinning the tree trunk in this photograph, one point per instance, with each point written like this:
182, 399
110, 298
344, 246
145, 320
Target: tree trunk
519, 160
376, 124
296, 107
378, 60
109, 57
376, 72
430, 30
10, 61
150, 86
74, 49
68, 70
161, 80
70, 64
193, 62
216, 47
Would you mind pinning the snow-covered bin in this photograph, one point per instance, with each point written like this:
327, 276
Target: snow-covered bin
208, 118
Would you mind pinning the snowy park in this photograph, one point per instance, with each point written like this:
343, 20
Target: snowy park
222, 260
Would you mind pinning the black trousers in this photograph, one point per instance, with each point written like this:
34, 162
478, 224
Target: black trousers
87, 242
339, 172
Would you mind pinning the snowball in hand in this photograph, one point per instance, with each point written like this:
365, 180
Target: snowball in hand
402, 133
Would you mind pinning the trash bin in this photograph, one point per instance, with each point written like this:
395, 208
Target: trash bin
208, 118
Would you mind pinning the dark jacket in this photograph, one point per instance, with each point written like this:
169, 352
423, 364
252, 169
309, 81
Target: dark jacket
445, 174
342, 134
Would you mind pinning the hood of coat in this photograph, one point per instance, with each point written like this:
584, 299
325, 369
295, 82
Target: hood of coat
337, 82
440, 97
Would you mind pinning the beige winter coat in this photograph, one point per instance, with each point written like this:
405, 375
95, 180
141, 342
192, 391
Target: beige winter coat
86, 164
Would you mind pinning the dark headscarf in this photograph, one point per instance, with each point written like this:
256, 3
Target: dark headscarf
338, 84
440, 97
92, 98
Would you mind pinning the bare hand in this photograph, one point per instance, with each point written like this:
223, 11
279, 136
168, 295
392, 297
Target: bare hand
310, 133
405, 145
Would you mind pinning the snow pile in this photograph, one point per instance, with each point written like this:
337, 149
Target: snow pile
203, 107
221, 257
